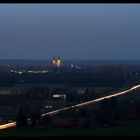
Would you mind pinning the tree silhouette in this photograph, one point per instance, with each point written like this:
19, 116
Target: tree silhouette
47, 121
107, 113
21, 118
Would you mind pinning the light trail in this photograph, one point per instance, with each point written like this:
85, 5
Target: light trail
92, 101
8, 125
13, 124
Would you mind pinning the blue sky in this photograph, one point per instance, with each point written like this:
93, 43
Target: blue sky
75, 31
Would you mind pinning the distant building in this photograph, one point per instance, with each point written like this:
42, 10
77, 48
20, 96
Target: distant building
56, 62
60, 96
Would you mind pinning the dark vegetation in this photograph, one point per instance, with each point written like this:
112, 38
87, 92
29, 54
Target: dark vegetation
26, 104
104, 75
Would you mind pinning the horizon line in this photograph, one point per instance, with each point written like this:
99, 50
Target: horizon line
20, 59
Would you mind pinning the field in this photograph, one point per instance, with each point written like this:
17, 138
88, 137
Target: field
131, 130
22, 86
11, 108
124, 129
6, 90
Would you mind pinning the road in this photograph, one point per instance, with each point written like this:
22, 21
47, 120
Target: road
13, 124
93, 101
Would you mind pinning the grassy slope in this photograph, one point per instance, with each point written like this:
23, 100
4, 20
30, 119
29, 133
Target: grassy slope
133, 130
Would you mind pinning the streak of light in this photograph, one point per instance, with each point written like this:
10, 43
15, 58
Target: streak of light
13, 124
92, 101
8, 125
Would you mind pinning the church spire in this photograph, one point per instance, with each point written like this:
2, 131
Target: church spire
58, 57
53, 57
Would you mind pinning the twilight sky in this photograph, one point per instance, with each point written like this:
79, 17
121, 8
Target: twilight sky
75, 31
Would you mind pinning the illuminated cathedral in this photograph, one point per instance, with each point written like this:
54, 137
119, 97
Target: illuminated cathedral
56, 62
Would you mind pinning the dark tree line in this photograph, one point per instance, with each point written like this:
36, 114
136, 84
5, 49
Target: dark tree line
96, 76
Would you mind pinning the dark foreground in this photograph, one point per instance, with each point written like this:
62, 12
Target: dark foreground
113, 131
